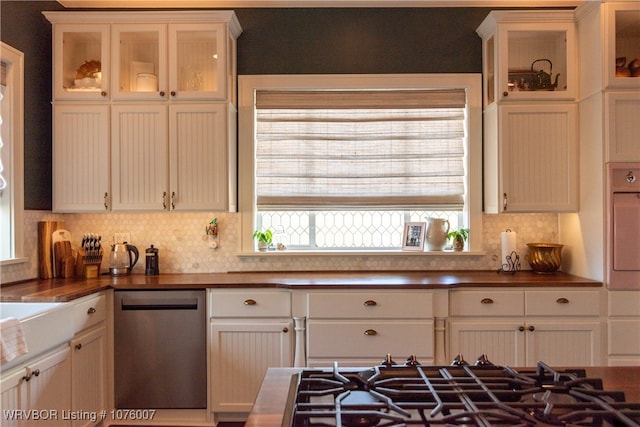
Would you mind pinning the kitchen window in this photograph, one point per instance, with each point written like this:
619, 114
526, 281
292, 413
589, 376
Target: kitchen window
341, 162
11, 154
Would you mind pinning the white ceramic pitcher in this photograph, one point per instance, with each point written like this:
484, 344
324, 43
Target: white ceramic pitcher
437, 229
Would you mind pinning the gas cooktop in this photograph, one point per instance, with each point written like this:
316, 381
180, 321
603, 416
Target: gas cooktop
461, 394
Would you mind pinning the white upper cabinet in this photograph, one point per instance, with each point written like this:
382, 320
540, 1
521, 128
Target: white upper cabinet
80, 54
529, 55
144, 108
530, 115
622, 44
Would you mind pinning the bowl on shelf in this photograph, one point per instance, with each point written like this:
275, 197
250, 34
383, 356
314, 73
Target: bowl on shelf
545, 258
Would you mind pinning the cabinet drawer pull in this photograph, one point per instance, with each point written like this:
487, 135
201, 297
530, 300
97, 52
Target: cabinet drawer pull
164, 200
173, 200
106, 204
371, 332
91, 310
250, 302
486, 301
78, 346
562, 301
370, 303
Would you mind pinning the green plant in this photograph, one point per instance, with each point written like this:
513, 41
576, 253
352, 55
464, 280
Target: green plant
462, 233
263, 236
458, 237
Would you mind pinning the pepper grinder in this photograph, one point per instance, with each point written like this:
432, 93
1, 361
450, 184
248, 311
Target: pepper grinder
152, 265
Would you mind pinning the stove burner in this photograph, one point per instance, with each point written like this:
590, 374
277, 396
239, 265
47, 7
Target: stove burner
411, 394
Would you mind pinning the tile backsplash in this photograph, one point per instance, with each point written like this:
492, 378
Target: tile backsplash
183, 245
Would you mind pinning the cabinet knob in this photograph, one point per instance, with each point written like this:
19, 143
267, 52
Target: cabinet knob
531, 328
103, 93
370, 303
562, 301
486, 301
371, 332
285, 330
173, 93
78, 346
250, 302
505, 93
521, 328
161, 93
91, 310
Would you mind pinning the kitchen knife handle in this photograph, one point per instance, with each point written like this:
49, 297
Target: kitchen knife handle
370, 303
371, 332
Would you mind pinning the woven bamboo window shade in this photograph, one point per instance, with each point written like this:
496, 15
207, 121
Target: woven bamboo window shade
354, 149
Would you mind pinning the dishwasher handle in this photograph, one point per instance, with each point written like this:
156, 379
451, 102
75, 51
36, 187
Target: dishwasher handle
159, 304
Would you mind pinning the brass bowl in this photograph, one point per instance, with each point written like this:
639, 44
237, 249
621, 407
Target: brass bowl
545, 258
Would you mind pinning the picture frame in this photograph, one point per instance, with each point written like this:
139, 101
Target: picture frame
413, 236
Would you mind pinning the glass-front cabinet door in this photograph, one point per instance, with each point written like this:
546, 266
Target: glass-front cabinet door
140, 61
622, 67
198, 61
81, 62
529, 55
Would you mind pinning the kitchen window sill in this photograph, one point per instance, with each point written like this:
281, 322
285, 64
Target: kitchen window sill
290, 253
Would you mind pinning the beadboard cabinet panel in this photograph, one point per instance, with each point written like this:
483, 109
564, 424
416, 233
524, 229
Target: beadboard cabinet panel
139, 154
538, 147
81, 158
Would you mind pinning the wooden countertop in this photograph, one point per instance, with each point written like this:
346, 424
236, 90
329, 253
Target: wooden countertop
270, 404
61, 290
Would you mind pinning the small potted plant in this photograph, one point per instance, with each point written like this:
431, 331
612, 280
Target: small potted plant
264, 238
458, 238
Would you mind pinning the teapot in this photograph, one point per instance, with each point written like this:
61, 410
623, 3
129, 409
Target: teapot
121, 261
542, 80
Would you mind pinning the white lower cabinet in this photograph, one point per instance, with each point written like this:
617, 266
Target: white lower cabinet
88, 376
250, 331
89, 360
359, 328
624, 328
520, 328
39, 392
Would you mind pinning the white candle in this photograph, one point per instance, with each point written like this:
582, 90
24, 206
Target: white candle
508, 241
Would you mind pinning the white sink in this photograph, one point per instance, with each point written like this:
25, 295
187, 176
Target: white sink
45, 325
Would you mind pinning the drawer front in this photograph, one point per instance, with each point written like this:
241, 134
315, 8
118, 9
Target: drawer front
624, 337
562, 303
366, 339
624, 303
89, 312
364, 305
250, 304
486, 303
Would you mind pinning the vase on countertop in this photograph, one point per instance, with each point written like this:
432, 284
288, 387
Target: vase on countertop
437, 229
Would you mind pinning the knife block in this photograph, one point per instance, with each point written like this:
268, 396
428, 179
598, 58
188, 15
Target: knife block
88, 264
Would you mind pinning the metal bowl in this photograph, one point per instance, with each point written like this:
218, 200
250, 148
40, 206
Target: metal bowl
545, 258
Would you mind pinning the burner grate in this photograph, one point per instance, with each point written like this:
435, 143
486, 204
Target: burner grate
485, 395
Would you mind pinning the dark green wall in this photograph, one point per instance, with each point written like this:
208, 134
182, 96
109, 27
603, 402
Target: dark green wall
274, 41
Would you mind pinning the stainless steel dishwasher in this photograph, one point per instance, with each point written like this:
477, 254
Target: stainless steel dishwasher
160, 353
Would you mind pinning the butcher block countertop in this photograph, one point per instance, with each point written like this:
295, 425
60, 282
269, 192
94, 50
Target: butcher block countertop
270, 404
62, 290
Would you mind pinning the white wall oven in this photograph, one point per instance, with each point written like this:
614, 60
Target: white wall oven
623, 225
